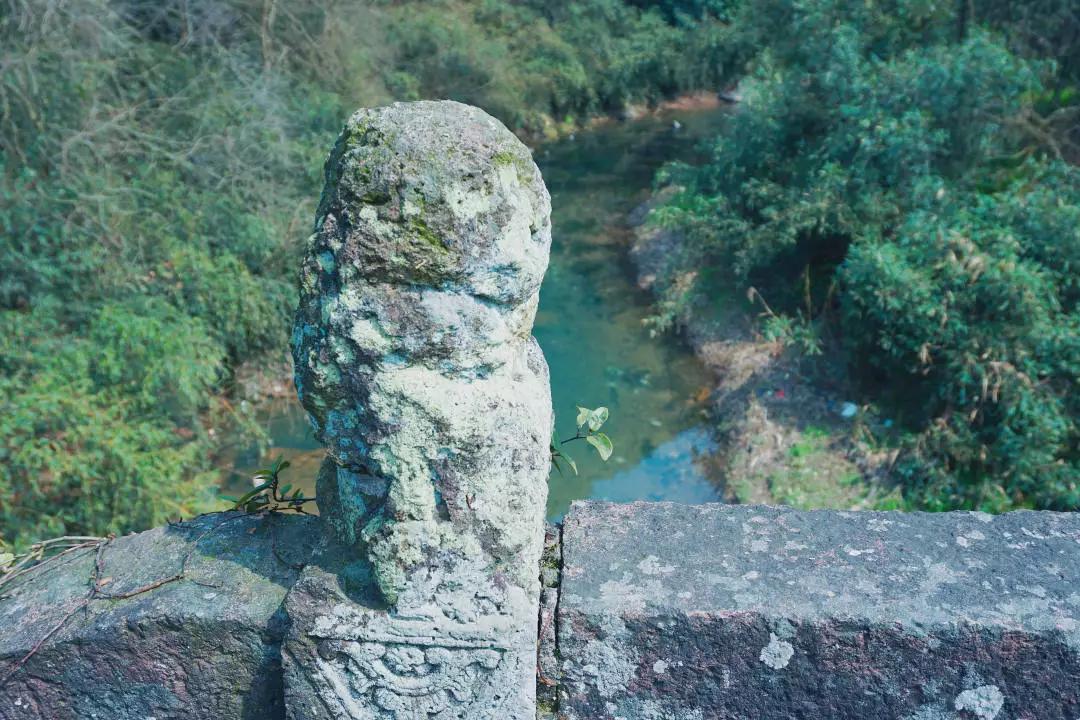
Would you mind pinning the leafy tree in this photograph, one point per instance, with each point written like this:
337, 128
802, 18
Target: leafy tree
891, 180
971, 311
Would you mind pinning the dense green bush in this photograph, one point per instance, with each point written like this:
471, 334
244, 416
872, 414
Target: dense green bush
892, 181
532, 61
88, 445
970, 309
150, 199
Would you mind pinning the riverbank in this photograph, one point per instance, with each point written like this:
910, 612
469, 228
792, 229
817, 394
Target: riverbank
782, 437
553, 130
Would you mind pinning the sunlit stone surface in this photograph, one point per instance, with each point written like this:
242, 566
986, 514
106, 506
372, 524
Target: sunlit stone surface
415, 360
749, 611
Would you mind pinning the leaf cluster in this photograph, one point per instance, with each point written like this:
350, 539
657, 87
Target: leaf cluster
589, 421
268, 494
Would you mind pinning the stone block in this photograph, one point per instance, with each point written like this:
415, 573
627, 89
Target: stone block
205, 646
672, 612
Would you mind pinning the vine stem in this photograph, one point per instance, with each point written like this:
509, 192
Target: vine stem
94, 591
37, 552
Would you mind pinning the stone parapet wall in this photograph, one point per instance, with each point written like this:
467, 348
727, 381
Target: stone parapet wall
727, 611
186, 622
662, 611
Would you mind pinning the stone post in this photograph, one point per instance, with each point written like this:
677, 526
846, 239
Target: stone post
415, 361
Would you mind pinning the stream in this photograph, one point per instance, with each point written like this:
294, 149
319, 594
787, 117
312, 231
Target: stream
590, 327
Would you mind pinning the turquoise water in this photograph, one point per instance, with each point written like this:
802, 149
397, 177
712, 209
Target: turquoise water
590, 327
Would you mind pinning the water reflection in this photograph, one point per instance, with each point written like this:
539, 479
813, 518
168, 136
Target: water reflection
676, 471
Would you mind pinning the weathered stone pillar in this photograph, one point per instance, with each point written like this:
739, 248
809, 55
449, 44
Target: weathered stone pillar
415, 360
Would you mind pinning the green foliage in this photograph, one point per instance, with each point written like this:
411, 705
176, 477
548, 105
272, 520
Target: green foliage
159, 164
973, 305
268, 494
533, 63
589, 421
1038, 28
149, 199
788, 330
160, 360
82, 452
895, 180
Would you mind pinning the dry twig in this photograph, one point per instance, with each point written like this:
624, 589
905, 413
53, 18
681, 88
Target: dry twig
97, 575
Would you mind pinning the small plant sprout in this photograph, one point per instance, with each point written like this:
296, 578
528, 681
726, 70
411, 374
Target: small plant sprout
787, 330
589, 422
269, 495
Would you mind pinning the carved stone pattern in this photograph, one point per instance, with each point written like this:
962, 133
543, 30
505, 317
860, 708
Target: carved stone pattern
411, 680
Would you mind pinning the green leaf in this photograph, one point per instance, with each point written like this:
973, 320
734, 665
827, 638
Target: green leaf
6, 559
555, 462
597, 418
256, 504
602, 443
253, 492
582, 416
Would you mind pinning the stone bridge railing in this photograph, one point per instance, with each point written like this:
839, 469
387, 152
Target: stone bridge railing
417, 593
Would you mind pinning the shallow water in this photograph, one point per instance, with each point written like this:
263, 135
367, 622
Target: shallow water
590, 327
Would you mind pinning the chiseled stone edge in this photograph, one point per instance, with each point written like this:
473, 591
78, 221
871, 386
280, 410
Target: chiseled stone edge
204, 647
639, 639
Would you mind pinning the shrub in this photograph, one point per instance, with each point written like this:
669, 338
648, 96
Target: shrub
973, 329
891, 175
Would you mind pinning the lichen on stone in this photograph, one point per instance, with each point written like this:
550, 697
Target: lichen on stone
777, 654
984, 702
415, 361
412, 350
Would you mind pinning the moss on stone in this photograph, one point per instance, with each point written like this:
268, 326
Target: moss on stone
375, 197
523, 165
504, 157
420, 228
